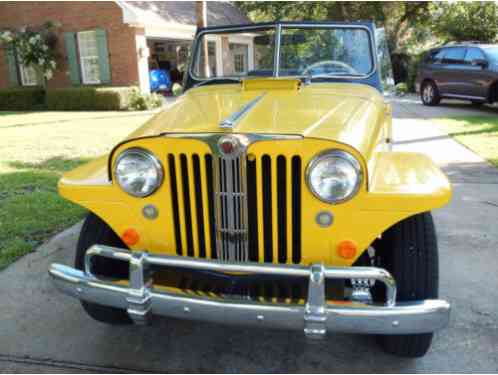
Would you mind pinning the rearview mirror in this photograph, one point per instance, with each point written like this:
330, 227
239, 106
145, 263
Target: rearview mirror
480, 62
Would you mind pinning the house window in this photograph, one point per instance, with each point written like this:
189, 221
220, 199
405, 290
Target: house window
28, 75
89, 57
240, 53
212, 58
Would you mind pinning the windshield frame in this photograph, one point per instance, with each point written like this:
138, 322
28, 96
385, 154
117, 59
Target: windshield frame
277, 43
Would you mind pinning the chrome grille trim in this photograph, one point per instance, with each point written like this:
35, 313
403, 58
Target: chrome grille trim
231, 209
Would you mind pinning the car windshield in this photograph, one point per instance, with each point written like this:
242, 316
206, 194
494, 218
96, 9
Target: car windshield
315, 52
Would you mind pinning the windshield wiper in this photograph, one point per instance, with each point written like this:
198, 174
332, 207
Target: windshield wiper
217, 79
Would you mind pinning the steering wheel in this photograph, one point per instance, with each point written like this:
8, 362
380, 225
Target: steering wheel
337, 65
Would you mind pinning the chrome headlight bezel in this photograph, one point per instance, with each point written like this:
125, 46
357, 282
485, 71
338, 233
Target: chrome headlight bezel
156, 163
335, 154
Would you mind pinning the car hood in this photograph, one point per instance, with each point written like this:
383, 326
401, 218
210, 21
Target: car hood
341, 112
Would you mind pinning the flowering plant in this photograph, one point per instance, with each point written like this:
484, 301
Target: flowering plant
35, 48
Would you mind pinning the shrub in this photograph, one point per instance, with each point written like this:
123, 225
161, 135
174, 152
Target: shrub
401, 89
141, 102
21, 99
177, 89
89, 98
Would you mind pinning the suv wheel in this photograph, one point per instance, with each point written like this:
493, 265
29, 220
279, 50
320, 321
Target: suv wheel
429, 94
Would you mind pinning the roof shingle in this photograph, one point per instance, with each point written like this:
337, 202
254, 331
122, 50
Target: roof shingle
183, 12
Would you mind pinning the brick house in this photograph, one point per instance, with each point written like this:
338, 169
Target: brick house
112, 43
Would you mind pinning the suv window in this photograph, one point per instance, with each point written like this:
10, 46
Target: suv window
473, 54
454, 55
435, 57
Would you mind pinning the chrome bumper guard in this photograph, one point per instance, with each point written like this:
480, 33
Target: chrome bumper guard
315, 317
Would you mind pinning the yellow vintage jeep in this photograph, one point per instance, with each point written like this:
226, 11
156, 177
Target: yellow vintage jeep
267, 195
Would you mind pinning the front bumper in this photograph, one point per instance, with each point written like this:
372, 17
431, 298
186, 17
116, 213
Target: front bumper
315, 317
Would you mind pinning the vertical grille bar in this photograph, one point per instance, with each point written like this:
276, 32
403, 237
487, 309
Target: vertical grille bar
259, 196
207, 202
193, 206
290, 208
274, 203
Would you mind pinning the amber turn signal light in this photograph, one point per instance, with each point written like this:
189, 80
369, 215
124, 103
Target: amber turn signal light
130, 236
347, 249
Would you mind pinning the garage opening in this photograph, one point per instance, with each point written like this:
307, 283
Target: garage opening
168, 61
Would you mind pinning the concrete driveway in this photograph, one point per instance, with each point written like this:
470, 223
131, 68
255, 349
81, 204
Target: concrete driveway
43, 331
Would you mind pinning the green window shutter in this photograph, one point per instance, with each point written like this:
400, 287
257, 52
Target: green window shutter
105, 70
72, 57
12, 66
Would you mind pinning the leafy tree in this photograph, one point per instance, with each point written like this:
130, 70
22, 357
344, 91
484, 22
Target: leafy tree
462, 21
398, 18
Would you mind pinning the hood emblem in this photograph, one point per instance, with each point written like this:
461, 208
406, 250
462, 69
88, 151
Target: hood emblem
228, 146
232, 121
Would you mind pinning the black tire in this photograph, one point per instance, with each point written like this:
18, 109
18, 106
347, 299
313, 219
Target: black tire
95, 231
429, 94
408, 250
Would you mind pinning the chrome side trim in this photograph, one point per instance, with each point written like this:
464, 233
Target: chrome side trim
462, 96
315, 317
234, 118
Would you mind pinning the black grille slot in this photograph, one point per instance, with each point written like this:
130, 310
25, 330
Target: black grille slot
282, 209
296, 209
267, 209
174, 203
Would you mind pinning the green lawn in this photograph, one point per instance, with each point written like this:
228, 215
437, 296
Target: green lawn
480, 134
35, 149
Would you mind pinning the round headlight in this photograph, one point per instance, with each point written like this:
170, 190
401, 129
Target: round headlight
138, 172
334, 176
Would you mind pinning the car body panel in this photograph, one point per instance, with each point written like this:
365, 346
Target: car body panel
348, 117
340, 112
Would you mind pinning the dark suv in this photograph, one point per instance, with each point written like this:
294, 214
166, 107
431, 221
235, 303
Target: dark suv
466, 71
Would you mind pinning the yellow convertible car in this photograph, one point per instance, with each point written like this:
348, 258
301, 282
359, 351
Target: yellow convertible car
267, 195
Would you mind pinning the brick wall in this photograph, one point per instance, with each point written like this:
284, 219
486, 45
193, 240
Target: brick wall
76, 16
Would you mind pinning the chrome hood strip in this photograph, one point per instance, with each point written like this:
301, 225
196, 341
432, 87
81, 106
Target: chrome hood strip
231, 121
